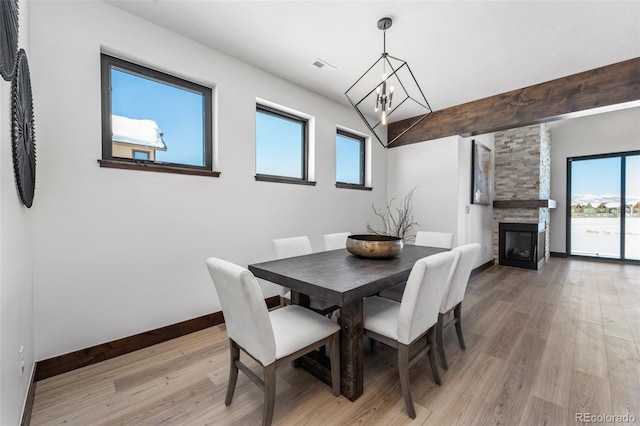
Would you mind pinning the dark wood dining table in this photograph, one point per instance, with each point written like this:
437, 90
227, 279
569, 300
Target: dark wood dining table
345, 280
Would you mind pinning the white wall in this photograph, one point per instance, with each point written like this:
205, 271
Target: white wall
476, 224
431, 167
16, 266
441, 171
609, 132
119, 252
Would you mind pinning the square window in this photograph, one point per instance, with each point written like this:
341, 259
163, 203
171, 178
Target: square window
153, 116
281, 146
350, 158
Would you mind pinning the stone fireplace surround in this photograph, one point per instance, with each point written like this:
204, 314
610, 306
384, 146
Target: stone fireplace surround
522, 179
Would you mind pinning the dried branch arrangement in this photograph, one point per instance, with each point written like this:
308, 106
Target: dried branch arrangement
396, 221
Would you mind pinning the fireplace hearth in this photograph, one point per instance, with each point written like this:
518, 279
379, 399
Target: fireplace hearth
522, 244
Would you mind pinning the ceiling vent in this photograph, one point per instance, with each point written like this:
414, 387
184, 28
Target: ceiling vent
319, 63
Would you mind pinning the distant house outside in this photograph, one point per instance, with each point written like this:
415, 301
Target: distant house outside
136, 139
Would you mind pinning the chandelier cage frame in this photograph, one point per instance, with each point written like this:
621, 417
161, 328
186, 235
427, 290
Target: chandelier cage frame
416, 96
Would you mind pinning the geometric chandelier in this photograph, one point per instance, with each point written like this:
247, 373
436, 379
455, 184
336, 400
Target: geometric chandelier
387, 93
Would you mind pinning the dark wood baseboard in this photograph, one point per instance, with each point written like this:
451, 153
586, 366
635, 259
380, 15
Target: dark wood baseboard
83, 357
482, 268
557, 254
603, 259
31, 395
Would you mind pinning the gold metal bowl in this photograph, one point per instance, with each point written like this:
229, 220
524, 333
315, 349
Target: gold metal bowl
374, 246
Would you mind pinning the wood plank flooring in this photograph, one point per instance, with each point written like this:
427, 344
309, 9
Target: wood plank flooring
541, 347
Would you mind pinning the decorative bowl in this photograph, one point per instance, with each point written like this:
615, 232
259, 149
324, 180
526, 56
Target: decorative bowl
374, 246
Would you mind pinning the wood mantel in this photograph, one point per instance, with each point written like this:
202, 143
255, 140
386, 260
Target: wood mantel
524, 204
614, 84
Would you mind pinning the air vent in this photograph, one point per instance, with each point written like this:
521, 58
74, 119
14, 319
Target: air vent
319, 63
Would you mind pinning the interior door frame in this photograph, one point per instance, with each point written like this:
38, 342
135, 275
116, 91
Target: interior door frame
623, 189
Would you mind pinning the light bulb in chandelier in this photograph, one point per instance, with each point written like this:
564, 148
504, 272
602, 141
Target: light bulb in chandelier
384, 99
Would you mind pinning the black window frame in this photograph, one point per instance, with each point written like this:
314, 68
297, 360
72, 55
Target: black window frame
107, 62
363, 165
304, 180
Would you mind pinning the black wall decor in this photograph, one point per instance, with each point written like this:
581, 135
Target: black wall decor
23, 139
8, 37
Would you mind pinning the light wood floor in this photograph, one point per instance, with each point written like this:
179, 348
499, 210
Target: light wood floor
541, 347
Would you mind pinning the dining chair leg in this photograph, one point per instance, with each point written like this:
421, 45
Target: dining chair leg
234, 351
440, 342
335, 364
269, 393
372, 345
457, 315
403, 370
431, 341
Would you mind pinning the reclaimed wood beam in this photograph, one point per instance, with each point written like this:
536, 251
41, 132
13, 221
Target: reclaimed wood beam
614, 84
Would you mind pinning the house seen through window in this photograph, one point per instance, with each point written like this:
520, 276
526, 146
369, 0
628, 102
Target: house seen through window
153, 117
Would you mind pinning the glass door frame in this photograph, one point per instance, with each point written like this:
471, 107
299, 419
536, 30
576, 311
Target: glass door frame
623, 203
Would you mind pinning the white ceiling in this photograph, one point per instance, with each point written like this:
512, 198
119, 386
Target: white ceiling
458, 51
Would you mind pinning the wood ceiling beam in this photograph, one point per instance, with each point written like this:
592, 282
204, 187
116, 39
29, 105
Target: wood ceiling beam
614, 84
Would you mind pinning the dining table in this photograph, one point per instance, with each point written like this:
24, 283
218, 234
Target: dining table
339, 277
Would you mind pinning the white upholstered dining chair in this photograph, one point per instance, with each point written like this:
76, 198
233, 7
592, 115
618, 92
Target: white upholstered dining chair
270, 338
335, 241
454, 295
423, 238
434, 239
298, 246
400, 325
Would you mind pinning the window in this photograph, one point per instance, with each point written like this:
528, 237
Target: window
350, 160
141, 155
281, 146
155, 117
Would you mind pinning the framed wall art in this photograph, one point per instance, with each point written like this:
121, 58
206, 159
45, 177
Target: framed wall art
480, 174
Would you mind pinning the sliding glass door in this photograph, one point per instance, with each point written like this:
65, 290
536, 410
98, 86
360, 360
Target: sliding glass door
632, 211
603, 198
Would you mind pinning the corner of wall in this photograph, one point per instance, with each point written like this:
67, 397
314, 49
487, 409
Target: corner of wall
16, 264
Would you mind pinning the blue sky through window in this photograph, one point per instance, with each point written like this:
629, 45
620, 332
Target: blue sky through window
178, 112
599, 179
279, 146
600, 176
348, 160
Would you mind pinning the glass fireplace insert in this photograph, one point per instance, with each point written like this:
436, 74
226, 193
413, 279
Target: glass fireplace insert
521, 244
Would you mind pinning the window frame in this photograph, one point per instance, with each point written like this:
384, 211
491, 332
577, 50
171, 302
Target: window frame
363, 161
304, 180
107, 62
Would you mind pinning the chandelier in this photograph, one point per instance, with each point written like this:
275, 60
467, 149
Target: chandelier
388, 93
